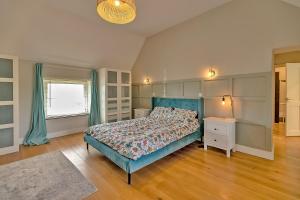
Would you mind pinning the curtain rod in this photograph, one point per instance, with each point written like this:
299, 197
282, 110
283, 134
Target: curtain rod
57, 65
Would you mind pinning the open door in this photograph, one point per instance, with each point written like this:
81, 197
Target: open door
293, 99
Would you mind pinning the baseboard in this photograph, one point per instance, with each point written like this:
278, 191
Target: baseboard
60, 133
65, 132
293, 133
8, 150
256, 152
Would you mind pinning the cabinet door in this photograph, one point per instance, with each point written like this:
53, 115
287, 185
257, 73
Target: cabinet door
6, 93
112, 92
125, 91
8, 105
112, 77
6, 137
125, 78
6, 68
6, 114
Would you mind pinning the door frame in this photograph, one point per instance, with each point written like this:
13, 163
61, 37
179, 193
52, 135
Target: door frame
278, 51
291, 132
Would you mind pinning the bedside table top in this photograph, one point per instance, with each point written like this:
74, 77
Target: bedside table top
220, 119
142, 109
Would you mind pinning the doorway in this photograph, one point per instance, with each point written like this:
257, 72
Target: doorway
287, 94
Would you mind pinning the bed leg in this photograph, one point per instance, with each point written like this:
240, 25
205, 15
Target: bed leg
87, 146
201, 145
129, 179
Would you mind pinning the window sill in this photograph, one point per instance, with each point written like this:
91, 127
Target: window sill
65, 116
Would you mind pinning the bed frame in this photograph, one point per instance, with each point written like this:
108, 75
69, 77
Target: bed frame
130, 166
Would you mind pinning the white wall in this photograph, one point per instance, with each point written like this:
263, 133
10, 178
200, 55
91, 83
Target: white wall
237, 38
54, 126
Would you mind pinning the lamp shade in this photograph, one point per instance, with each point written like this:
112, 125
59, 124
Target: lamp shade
117, 11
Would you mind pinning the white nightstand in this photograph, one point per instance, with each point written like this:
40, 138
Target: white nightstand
141, 112
220, 133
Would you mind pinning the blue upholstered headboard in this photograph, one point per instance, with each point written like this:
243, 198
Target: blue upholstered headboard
190, 104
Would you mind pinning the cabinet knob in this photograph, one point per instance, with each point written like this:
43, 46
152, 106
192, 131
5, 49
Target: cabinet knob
215, 140
215, 129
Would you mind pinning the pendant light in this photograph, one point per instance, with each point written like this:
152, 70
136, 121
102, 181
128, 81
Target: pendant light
117, 11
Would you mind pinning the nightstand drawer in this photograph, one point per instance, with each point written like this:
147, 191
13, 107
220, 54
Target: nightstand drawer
215, 140
216, 128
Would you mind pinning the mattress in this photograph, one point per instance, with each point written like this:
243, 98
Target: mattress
139, 137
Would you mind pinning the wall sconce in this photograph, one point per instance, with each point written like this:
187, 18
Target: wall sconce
223, 101
231, 104
211, 73
147, 81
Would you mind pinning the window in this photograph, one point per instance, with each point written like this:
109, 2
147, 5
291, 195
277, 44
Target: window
64, 98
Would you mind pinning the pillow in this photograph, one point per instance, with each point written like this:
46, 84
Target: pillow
160, 112
183, 114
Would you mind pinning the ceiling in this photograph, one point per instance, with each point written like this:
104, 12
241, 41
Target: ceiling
293, 2
153, 16
70, 32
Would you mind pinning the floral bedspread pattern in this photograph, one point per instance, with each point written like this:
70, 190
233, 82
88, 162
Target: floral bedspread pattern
138, 137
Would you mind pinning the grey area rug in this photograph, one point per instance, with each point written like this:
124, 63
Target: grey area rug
48, 176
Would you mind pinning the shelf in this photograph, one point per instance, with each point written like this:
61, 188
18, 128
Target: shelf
112, 99
112, 113
5, 126
112, 105
112, 120
6, 80
125, 84
6, 103
112, 84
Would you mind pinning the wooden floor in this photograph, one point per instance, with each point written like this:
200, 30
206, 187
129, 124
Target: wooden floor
190, 173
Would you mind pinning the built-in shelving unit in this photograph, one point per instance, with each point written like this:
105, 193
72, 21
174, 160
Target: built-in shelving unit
9, 114
115, 95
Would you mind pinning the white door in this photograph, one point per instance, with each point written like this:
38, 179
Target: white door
293, 99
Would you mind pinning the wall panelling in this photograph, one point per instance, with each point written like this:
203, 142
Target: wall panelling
251, 95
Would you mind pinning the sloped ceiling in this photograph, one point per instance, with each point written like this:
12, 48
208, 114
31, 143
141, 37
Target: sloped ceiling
293, 2
70, 32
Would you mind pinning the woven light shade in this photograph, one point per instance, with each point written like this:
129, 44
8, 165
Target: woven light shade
117, 11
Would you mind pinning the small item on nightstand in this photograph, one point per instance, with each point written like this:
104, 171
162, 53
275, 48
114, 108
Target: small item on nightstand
220, 133
141, 112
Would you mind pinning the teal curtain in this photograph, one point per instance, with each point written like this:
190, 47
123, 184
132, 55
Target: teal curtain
38, 131
94, 116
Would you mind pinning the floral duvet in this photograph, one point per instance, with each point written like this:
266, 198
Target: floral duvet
139, 137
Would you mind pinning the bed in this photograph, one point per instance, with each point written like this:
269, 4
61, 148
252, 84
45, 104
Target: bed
131, 161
